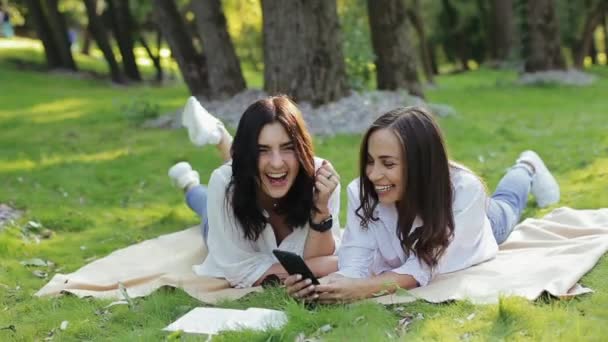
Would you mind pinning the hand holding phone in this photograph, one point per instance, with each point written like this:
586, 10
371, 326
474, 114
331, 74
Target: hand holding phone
294, 264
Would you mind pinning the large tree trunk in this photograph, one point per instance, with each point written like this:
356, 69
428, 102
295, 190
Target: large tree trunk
225, 75
43, 30
59, 31
86, 42
98, 31
540, 36
52, 31
395, 60
502, 29
191, 64
303, 54
122, 25
415, 14
582, 45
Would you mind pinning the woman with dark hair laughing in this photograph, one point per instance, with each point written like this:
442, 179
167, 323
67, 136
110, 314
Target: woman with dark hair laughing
272, 193
414, 214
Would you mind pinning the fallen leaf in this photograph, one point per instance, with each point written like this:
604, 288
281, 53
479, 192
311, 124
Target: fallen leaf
9, 327
64, 325
39, 273
471, 316
325, 329
118, 302
358, 319
33, 224
46, 234
36, 262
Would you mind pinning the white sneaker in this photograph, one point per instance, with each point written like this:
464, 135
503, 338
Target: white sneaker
544, 186
203, 128
182, 175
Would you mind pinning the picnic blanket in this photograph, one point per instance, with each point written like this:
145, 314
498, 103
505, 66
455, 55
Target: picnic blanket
550, 254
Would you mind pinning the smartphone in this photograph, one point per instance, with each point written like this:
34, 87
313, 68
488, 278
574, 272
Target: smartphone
294, 264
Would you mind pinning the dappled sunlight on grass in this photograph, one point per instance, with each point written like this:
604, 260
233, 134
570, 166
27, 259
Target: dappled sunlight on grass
20, 43
588, 186
45, 161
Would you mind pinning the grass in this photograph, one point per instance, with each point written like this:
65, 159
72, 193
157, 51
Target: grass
73, 162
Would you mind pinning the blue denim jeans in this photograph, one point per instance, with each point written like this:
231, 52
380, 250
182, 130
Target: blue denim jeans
196, 198
509, 201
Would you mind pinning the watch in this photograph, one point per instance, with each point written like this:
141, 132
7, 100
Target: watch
322, 226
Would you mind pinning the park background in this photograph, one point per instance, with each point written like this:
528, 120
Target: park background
91, 90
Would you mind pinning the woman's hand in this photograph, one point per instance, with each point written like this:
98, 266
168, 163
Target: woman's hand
300, 288
326, 181
342, 290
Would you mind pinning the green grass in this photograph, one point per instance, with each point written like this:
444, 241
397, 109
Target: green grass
73, 162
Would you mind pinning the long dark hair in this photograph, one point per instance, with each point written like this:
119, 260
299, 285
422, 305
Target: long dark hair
244, 187
427, 189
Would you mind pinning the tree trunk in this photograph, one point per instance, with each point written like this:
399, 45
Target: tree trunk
433, 56
583, 44
540, 36
415, 16
225, 75
155, 58
98, 31
395, 60
122, 25
86, 42
43, 30
502, 29
59, 31
191, 64
303, 50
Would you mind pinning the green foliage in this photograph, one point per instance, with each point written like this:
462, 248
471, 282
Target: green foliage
140, 110
358, 53
72, 162
245, 27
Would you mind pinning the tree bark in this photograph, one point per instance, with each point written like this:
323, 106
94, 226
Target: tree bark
86, 42
155, 58
303, 50
122, 25
395, 60
415, 16
43, 30
98, 31
191, 64
502, 29
225, 75
540, 36
59, 32
52, 31
582, 45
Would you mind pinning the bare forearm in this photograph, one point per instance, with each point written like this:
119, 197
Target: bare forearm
386, 283
319, 244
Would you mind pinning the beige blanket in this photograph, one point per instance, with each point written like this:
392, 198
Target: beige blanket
549, 254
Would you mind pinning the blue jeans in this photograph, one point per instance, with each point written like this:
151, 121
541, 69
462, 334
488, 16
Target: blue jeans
196, 198
509, 201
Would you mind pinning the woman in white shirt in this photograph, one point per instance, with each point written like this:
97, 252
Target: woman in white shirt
413, 214
272, 194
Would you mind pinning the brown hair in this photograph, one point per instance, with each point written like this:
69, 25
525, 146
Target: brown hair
245, 183
427, 186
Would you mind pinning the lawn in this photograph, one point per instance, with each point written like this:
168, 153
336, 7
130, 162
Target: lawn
72, 160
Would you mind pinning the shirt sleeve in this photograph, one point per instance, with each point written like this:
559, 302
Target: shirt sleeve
469, 218
238, 257
334, 207
358, 246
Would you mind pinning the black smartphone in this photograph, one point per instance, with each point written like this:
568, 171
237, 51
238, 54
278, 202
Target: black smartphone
294, 264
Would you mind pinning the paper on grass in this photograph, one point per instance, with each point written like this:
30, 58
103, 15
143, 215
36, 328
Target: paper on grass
213, 320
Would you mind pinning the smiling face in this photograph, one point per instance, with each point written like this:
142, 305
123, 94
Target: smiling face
278, 163
385, 165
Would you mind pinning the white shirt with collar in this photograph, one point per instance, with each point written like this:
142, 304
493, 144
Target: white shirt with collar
242, 262
367, 252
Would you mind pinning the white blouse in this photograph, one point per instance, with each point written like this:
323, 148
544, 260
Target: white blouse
242, 262
367, 252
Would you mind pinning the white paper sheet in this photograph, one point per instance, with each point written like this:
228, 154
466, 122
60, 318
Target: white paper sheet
213, 320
